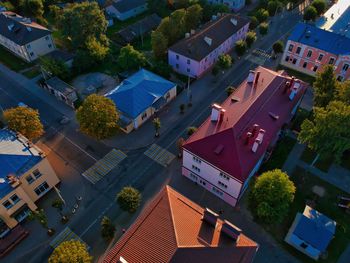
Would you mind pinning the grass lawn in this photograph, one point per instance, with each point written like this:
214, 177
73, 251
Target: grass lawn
279, 154
11, 61
326, 205
297, 74
323, 164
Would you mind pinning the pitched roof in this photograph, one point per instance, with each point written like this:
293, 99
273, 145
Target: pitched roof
315, 228
266, 105
216, 32
322, 39
138, 92
15, 157
59, 85
127, 5
19, 29
170, 229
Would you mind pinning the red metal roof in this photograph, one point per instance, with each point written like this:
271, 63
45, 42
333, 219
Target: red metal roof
267, 104
171, 229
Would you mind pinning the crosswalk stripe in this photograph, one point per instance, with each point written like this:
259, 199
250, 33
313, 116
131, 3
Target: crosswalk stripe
160, 155
66, 235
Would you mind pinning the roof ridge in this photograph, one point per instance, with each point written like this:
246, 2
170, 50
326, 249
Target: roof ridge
168, 190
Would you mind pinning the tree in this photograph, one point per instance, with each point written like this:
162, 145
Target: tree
240, 47
97, 50
229, 90
177, 25
24, 120
277, 47
262, 15
191, 130
98, 117
320, 6
129, 199
250, 38
212, 9
180, 142
310, 13
253, 23
107, 228
40, 216
70, 251
271, 196
129, 58
263, 28
157, 125
54, 67
159, 44
33, 8
328, 134
193, 17
343, 92
224, 61
325, 86
272, 7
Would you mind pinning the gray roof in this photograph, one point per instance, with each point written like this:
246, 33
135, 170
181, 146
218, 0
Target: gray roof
126, 5
59, 54
216, 32
60, 85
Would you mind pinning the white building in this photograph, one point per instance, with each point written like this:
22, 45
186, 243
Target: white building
124, 9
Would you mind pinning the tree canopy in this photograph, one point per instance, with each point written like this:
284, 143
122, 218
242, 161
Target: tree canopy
70, 251
271, 196
263, 28
240, 47
325, 86
328, 133
262, 15
310, 13
129, 199
159, 44
320, 6
32, 8
193, 17
24, 120
343, 92
224, 61
130, 58
250, 38
54, 67
98, 117
278, 47
107, 228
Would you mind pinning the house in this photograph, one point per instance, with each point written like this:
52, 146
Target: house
23, 37
228, 148
309, 48
25, 176
172, 228
61, 90
198, 51
234, 5
138, 97
139, 28
124, 9
311, 232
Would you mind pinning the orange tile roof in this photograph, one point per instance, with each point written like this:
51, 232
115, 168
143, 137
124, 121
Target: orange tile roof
170, 229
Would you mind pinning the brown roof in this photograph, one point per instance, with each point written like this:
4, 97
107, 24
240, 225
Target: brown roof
218, 31
170, 229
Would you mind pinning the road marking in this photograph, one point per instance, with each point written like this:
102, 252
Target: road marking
160, 155
66, 235
103, 166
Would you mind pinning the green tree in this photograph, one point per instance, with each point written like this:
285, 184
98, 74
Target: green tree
107, 228
277, 47
33, 8
240, 47
40, 216
320, 6
98, 117
97, 50
262, 15
272, 7
130, 58
157, 124
224, 61
54, 67
129, 199
193, 17
159, 44
8, 5
177, 25
24, 120
310, 13
328, 133
253, 23
343, 92
70, 251
271, 196
264, 28
250, 38
191, 130
325, 86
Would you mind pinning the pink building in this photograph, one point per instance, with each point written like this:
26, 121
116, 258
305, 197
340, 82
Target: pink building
229, 147
199, 51
309, 48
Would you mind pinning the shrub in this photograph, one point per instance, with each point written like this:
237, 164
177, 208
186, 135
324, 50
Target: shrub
191, 130
262, 15
253, 23
310, 13
240, 47
250, 38
129, 199
263, 28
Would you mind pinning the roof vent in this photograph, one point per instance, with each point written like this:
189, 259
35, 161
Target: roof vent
247, 138
10, 26
187, 35
233, 21
122, 260
260, 136
219, 149
274, 116
255, 129
250, 78
210, 217
208, 40
235, 99
256, 145
256, 78
231, 230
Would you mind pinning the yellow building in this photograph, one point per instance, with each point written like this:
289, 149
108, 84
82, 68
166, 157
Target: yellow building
25, 176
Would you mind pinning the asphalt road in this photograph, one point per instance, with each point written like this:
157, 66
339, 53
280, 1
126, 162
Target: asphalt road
137, 170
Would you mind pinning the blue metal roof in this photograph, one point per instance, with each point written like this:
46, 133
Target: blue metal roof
317, 229
15, 158
318, 38
138, 92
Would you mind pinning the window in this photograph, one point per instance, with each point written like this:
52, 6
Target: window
331, 61
298, 50
188, 70
37, 173
315, 68
15, 199
222, 184
144, 115
188, 61
345, 67
320, 57
41, 189
305, 65
49, 45
47, 38
177, 57
197, 160
309, 53
29, 179
31, 54
196, 168
290, 48
224, 176
202, 182
217, 191
303, 245
294, 61
193, 177
287, 58
7, 204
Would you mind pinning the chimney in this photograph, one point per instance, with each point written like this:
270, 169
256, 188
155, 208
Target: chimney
187, 35
260, 136
256, 79
250, 78
215, 112
193, 32
292, 82
222, 115
210, 217
294, 90
256, 145
122, 260
231, 230
247, 138
255, 129
286, 87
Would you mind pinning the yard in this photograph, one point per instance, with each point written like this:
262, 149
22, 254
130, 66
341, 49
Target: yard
326, 205
11, 61
297, 74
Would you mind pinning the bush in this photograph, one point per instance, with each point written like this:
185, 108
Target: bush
107, 228
253, 23
191, 130
250, 38
310, 13
262, 15
240, 47
277, 47
263, 28
129, 199
272, 7
320, 6
224, 61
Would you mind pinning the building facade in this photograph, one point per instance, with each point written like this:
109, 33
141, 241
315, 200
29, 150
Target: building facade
125, 9
309, 49
26, 176
199, 51
23, 37
61, 90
